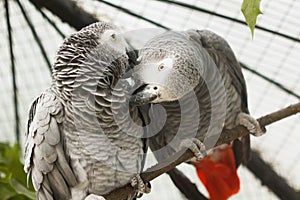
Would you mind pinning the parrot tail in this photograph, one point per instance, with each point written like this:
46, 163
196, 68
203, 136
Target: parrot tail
218, 173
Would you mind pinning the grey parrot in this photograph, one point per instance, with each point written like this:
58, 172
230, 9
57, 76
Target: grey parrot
81, 142
197, 84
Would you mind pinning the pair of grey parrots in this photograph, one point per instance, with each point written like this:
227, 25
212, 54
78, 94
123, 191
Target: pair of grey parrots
89, 132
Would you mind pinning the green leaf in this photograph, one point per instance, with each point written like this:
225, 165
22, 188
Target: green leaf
19, 197
20, 189
12, 176
12, 156
251, 9
6, 191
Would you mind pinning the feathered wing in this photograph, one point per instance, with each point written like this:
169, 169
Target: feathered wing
45, 158
222, 54
222, 161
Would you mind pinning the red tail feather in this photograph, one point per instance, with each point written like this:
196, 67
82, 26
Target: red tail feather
218, 173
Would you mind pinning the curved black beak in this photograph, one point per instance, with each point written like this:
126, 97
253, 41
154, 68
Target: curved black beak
141, 97
132, 56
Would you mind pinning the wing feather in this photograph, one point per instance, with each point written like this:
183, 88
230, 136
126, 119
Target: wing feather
221, 53
52, 176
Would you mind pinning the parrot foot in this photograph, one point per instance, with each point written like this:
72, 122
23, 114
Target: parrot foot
94, 197
196, 146
140, 186
251, 124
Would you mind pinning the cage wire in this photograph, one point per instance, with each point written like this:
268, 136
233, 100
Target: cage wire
271, 69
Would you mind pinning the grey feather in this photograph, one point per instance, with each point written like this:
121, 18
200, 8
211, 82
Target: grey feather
74, 145
193, 55
220, 50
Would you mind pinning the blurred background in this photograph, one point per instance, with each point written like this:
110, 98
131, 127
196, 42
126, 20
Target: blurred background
31, 32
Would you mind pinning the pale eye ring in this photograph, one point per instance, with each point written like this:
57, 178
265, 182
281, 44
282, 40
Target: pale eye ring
161, 67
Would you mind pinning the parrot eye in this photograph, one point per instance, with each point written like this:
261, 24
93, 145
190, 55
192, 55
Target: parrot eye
161, 67
113, 36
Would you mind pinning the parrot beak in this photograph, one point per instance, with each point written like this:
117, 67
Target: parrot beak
144, 94
132, 56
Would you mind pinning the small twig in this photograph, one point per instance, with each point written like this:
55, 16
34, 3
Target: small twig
226, 136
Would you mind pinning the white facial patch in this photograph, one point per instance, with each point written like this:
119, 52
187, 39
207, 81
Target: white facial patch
115, 40
156, 72
157, 75
167, 62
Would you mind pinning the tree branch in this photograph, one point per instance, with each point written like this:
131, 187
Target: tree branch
226, 136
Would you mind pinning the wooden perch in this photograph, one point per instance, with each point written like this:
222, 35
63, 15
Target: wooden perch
225, 137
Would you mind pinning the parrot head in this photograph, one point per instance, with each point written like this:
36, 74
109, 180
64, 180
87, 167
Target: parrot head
113, 39
99, 50
106, 35
168, 69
